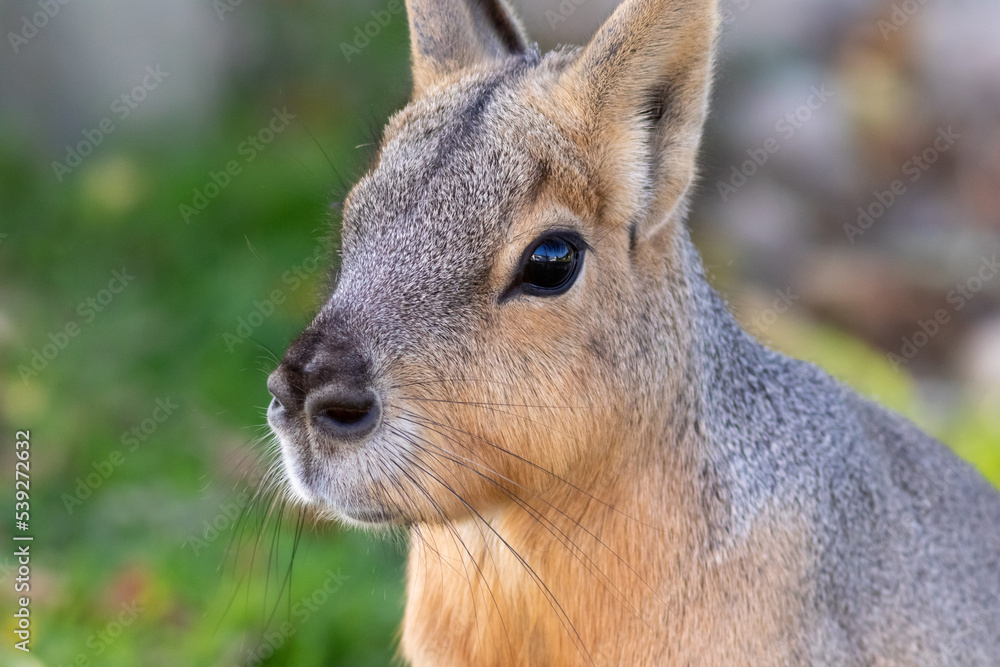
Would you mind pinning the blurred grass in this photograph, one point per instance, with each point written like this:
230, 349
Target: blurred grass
163, 338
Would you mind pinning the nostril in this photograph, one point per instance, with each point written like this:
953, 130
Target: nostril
343, 414
276, 413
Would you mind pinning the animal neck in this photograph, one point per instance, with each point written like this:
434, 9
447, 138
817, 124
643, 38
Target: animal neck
545, 578
538, 581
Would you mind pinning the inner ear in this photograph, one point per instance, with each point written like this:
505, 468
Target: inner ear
657, 104
449, 36
506, 30
642, 84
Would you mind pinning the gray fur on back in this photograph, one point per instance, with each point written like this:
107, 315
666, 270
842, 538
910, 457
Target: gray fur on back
906, 535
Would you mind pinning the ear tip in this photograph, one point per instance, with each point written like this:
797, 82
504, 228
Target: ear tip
447, 36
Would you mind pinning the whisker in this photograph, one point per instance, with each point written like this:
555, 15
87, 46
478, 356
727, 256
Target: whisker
554, 603
485, 404
546, 426
577, 523
286, 582
590, 565
531, 463
456, 538
421, 383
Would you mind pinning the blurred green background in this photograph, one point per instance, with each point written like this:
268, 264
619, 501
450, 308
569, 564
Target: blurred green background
166, 174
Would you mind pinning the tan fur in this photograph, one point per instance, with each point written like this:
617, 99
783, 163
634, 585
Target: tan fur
620, 601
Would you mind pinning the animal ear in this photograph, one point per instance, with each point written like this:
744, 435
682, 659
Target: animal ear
447, 36
642, 85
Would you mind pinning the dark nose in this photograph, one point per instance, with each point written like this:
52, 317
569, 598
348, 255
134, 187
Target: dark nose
324, 382
279, 384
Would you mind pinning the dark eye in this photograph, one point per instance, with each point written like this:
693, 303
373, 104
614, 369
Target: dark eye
551, 264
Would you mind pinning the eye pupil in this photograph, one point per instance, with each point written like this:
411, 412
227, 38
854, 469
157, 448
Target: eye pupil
552, 265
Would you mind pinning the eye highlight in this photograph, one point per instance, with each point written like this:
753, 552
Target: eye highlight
549, 266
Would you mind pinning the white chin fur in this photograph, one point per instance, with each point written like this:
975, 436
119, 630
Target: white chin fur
290, 466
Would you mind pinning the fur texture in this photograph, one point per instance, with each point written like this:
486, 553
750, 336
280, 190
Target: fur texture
618, 475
